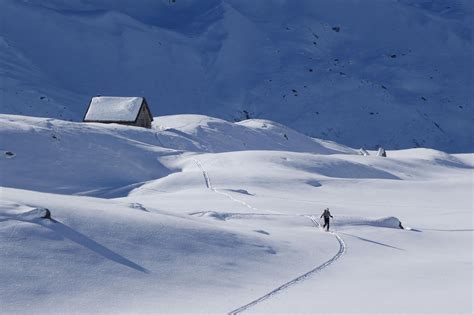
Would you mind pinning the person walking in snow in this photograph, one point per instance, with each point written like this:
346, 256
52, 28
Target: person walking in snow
326, 214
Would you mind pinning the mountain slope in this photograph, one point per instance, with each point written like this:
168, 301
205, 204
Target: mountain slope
390, 73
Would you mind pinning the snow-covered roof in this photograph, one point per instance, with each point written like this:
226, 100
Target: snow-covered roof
113, 108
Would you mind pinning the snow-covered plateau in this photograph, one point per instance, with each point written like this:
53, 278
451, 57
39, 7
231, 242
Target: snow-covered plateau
202, 215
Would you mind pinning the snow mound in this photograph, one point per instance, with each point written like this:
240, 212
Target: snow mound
23, 214
386, 222
207, 134
36, 213
49, 155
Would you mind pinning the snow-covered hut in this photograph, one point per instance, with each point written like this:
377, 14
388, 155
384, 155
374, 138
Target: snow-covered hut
132, 111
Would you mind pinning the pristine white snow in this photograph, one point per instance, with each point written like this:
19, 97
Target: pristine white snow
396, 74
200, 215
113, 108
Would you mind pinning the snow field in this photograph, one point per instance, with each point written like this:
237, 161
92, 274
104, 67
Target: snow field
219, 228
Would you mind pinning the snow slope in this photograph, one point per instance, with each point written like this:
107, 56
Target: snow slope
200, 215
363, 73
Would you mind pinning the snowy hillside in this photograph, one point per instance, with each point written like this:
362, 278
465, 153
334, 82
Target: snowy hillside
200, 215
362, 73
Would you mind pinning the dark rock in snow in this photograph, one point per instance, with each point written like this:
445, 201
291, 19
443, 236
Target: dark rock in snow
438, 126
381, 152
46, 214
137, 205
336, 29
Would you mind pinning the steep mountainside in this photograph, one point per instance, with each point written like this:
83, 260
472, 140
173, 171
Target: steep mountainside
363, 73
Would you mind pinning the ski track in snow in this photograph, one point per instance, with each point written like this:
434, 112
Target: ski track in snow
342, 248
209, 185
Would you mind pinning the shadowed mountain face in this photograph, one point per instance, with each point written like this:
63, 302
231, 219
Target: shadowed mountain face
370, 73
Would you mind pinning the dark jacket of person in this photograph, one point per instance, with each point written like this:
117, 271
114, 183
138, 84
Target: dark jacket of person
326, 214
